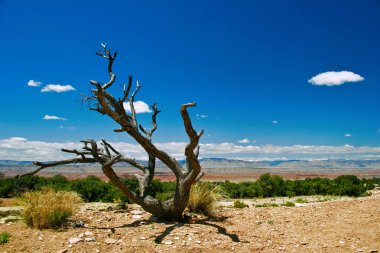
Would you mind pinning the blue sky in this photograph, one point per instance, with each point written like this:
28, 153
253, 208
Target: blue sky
248, 64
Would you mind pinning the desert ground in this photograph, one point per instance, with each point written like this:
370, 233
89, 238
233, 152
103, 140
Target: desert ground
340, 225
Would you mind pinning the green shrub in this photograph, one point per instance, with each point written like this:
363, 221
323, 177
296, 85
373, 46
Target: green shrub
204, 198
164, 195
240, 204
289, 203
302, 201
48, 208
4, 237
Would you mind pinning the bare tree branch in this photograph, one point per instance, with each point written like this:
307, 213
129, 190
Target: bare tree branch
106, 104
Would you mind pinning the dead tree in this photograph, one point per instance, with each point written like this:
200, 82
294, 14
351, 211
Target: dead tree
107, 155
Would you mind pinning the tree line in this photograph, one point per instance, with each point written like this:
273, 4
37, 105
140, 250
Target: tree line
93, 189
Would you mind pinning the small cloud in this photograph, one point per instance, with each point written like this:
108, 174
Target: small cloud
331, 78
61, 127
71, 128
33, 83
53, 117
140, 107
275, 122
16, 139
348, 135
201, 116
57, 88
245, 140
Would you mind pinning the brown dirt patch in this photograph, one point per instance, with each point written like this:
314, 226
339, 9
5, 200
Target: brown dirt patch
349, 225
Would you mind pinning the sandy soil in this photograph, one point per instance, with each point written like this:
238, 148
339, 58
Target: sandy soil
345, 225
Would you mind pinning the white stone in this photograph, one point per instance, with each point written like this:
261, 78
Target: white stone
136, 216
88, 233
74, 240
136, 212
110, 241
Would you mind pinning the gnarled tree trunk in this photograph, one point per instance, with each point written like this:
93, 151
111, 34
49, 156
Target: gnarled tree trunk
107, 156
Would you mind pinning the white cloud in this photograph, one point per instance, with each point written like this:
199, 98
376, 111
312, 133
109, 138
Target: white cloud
331, 78
57, 88
245, 140
140, 107
33, 83
70, 128
275, 122
201, 116
348, 135
53, 117
18, 148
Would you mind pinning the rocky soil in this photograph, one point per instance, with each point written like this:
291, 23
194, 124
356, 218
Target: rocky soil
344, 225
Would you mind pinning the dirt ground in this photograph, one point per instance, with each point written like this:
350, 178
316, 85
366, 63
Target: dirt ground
345, 225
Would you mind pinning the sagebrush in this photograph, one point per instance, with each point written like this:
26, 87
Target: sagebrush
4, 237
204, 198
239, 204
48, 208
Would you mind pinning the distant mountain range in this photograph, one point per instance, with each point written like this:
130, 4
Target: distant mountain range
211, 163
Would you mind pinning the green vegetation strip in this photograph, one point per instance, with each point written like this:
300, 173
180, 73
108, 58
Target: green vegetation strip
93, 189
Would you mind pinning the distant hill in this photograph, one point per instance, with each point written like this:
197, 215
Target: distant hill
13, 163
233, 163
291, 164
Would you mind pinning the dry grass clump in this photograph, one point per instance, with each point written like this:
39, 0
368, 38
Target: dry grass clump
48, 208
204, 198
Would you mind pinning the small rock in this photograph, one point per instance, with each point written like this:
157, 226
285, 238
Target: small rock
142, 238
359, 250
304, 243
40, 238
136, 212
198, 242
90, 239
10, 218
88, 233
168, 242
176, 238
79, 224
81, 235
281, 248
110, 241
341, 242
136, 216
74, 240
